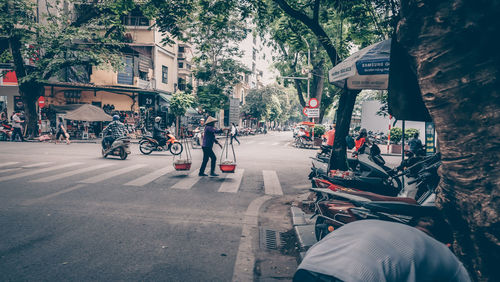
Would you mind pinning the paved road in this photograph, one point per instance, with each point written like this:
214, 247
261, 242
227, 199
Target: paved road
68, 214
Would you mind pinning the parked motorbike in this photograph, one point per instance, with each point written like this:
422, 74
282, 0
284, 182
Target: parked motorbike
337, 205
120, 147
5, 132
148, 144
197, 139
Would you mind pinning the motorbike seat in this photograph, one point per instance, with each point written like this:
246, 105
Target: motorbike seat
377, 197
400, 208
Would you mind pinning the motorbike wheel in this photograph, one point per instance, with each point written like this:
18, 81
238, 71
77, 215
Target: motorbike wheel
176, 148
320, 229
146, 147
123, 154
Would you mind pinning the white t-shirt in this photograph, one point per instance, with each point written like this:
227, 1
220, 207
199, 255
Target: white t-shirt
16, 121
375, 250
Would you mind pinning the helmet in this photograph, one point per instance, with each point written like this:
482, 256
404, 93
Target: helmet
116, 117
157, 119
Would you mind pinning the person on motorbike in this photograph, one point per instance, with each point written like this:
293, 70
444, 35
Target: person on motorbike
158, 133
113, 131
361, 142
416, 146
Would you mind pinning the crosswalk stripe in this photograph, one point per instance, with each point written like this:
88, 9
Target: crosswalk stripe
143, 180
71, 173
10, 169
250, 142
188, 182
272, 184
37, 171
262, 143
275, 143
232, 182
35, 165
110, 174
8, 163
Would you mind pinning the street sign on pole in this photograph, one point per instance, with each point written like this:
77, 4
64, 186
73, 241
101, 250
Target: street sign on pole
311, 112
313, 103
41, 102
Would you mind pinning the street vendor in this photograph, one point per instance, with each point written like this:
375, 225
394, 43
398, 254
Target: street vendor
208, 142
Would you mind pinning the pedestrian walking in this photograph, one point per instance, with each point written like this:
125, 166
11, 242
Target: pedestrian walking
234, 133
17, 127
207, 144
61, 131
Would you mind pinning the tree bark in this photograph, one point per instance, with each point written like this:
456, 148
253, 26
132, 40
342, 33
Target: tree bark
338, 159
452, 45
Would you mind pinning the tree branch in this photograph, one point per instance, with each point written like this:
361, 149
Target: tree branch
314, 26
316, 11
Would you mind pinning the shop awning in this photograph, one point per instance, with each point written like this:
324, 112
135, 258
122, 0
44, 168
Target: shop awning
87, 112
165, 98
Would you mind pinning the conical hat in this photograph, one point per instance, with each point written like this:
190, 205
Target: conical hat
210, 119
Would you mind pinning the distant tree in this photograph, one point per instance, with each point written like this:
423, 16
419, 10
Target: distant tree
179, 103
41, 47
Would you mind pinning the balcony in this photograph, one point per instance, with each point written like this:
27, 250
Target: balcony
144, 84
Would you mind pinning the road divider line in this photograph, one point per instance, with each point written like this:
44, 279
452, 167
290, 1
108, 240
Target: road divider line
50, 196
37, 164
111, 174
8, 163
10, 169
143, 180
232, 182
37, 171
188, 182
245, 258
71, 173
272, 184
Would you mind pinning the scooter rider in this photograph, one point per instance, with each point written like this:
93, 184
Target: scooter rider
113, 131
158, 132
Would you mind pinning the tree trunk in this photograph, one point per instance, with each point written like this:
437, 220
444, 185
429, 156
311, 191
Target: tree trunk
318, 85
338, 159
30, 92
453, 49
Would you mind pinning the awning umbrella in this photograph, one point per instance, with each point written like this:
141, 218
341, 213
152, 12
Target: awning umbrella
366, 69
87, 112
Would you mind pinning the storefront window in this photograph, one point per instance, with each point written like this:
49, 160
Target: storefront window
164, 74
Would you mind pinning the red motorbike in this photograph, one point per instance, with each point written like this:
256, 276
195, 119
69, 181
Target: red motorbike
148, 144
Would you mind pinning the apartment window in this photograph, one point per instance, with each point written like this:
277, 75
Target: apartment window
180, 65
181, 49
164, 74
135, 18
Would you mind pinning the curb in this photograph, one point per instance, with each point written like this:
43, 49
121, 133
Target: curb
304, 229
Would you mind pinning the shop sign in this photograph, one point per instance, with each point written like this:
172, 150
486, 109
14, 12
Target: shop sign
430, 135
146, 100
18, 103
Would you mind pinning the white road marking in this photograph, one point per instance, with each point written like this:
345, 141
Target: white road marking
8, 163
262, 143
232, 182
37, 171
107, 175
250, 142
44, 198
272, 184
188, 182
275, 143
35, 165
245, 258
71, 173
143, 180
10, 169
